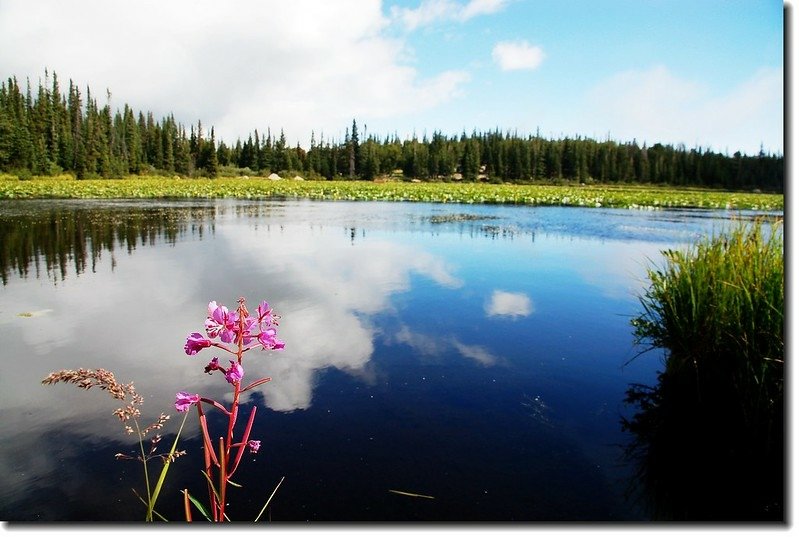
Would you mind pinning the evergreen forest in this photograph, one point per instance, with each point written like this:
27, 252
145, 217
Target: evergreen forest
52, 131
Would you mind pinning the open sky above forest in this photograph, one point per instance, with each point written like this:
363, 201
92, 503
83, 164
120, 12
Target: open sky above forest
705, 73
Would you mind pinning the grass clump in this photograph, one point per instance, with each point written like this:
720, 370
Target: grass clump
710, 434
719, 310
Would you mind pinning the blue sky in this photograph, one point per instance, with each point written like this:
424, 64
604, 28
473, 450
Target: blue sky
703, 73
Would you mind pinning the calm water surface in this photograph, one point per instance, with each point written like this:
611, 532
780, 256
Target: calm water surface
476, 354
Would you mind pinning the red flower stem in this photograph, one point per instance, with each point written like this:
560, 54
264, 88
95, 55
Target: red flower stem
225, 444
243, 443
215, 405
209, 449
186, 506
208, 454
223, 477
234, 409
254, 384
234, 413
223, 347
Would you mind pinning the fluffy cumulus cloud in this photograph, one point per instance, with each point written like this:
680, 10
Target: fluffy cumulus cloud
517, 55
656, 104
433, 11
301, 66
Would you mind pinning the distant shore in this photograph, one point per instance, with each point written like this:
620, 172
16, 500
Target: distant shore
580, 195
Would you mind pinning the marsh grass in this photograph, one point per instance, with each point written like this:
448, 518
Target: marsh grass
710, 435
130, 416
719, 310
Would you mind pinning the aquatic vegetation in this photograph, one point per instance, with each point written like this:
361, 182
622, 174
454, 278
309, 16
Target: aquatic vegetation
460, 217
710, 435
719, 310
634, 197
130, 413
238, 332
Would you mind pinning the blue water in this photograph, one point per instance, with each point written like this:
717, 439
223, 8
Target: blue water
475, 355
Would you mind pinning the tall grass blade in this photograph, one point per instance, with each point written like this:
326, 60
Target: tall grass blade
165, 469
269, 500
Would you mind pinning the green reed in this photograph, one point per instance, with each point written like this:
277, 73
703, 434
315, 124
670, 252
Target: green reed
718, 309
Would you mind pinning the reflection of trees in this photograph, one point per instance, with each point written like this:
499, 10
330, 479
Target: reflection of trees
60, 235
699, 458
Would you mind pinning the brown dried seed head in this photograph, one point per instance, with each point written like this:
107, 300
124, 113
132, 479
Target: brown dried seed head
157, 425
173, 456
88, 378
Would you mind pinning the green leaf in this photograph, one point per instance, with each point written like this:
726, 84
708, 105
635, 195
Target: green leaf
200, 507
165, 469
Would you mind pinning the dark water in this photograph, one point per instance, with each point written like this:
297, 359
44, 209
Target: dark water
478, 355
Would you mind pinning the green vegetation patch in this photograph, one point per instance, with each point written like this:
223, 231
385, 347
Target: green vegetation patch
259, 188
709, 438
724, 300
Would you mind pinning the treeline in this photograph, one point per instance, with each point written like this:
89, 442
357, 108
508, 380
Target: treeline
48, 132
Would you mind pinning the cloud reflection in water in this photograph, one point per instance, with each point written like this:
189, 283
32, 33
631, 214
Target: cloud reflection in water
505, 304
333, 290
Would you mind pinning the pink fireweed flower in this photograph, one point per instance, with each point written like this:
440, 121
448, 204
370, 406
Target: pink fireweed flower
195, 343
183, 400
265, 317
247, 336
213, 365
268, 338
234, 373
254, 445
220, 322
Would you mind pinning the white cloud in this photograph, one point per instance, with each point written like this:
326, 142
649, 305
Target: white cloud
429, 11
656, 105
482, 7
517, 55
507, 304
301, 66
433, 11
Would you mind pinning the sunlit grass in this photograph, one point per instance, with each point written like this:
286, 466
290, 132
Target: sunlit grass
260, 188
708, 440
719, 311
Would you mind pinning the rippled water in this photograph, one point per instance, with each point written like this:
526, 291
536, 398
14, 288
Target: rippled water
478, 355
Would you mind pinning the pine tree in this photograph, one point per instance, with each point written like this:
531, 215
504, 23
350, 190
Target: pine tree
470, 160
353, 150
210, 158
279, 158
181, 150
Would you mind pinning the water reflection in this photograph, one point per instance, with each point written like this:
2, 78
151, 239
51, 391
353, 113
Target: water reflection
437, 346
416, 351
340, 289
508, 304
696, 460
74, 235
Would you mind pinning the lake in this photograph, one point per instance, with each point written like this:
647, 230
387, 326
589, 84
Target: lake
474, 356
